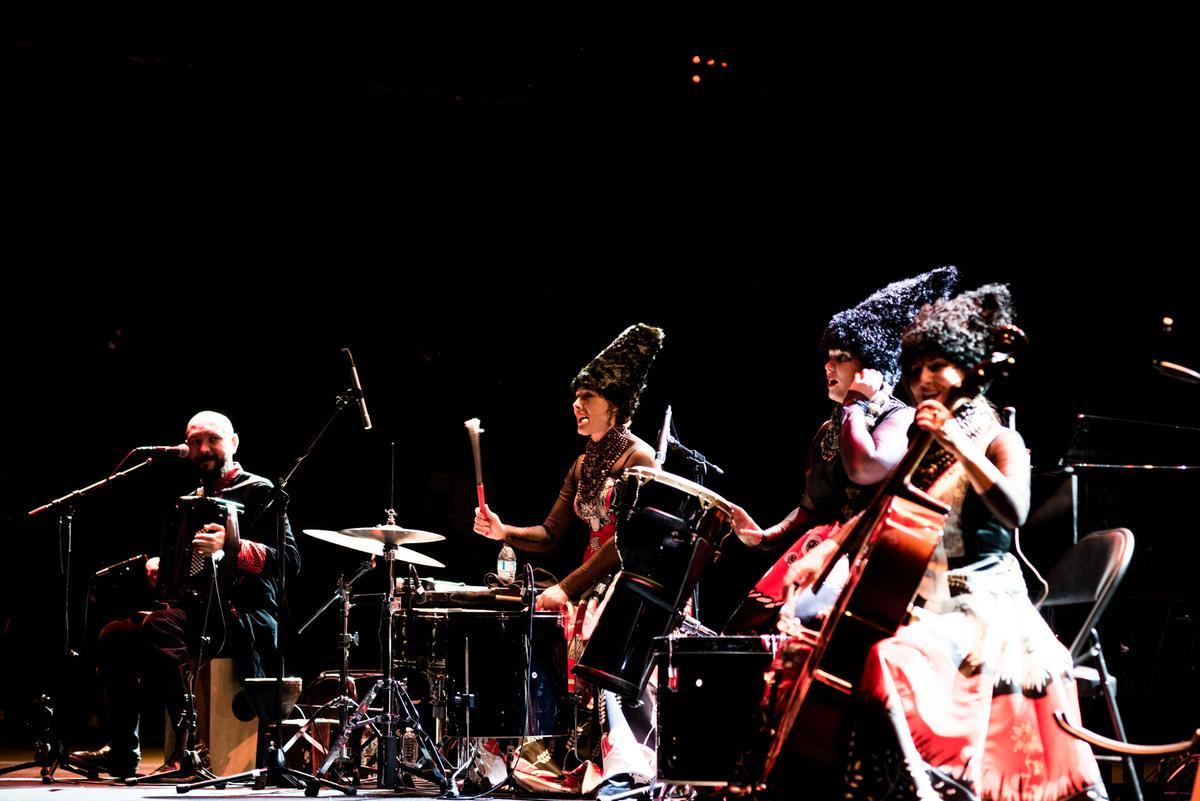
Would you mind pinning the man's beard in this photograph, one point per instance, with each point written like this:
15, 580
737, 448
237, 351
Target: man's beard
210, 468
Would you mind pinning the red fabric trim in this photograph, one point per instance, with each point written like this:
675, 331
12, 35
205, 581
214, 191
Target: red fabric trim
227, 477
252, 557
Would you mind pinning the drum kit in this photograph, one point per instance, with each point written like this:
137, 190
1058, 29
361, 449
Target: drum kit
462, 663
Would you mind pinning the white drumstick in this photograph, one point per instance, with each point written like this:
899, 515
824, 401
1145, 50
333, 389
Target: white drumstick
474, 429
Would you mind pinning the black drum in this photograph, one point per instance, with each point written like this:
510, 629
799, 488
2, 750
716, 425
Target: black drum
660, 518
620, 654
481, 654
712, 720
668, 530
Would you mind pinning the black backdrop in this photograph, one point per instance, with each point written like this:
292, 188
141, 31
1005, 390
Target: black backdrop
206, 205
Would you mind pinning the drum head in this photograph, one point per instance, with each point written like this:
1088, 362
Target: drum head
706, 496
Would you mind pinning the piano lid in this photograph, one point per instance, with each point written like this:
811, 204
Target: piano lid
1112, 443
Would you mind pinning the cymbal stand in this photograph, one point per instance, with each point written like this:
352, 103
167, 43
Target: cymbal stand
392, 718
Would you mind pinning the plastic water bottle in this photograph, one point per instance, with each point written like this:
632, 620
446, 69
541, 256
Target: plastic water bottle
506, 564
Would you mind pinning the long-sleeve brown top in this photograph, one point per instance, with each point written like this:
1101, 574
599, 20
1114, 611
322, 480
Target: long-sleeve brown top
546, 536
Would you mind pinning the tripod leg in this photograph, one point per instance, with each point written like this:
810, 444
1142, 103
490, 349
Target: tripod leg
220, 781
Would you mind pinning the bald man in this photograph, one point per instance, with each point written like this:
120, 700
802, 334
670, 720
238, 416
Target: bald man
164, 643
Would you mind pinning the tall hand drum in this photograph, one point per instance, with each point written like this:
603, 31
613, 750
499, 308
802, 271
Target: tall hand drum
668, 530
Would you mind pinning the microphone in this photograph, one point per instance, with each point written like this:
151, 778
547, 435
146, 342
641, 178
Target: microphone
104, 571
664, 435
695, 456
358, 391
164, 450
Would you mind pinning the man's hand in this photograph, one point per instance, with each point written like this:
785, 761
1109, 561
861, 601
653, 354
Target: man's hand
209, 539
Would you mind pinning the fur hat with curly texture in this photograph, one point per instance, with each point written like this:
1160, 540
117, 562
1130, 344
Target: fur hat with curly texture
962, 329
871, 330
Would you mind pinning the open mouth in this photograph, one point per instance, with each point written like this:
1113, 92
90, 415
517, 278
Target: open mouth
584, 421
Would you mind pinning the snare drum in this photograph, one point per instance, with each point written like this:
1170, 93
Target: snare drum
659, 518
480, 654
712, 722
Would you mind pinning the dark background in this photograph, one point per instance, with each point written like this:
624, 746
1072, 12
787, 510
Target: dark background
208, 202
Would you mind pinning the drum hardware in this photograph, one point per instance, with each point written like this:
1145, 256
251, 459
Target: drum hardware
394, 692
345, 702
691, 627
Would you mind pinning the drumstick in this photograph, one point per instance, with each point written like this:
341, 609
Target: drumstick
473, 431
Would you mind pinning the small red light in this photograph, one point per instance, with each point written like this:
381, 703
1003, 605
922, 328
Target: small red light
695, 79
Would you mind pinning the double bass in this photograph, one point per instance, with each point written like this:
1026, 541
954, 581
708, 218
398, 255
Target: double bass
889, 547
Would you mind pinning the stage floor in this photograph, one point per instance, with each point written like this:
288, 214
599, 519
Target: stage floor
27, 784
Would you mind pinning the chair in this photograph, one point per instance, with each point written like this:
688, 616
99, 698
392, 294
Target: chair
1089, 574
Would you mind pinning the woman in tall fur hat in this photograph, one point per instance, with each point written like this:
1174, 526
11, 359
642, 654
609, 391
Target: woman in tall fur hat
864, 438
607, 391
959, 703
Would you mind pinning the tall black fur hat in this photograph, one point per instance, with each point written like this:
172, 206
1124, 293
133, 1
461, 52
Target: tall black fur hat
871, 330
619, 371
962, 328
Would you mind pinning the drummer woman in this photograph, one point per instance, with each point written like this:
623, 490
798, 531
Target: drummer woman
864, 438
606, 396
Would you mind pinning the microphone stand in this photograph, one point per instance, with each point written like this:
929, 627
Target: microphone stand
277, 773
48, 751
699, 462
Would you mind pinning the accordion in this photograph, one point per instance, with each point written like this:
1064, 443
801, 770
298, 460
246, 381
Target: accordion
183, 573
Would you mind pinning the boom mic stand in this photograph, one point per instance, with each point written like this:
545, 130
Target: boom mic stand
48, 751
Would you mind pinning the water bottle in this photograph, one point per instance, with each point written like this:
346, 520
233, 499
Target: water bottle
506, 565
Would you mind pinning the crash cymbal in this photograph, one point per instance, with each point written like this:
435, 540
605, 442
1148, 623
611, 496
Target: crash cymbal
393, 535
374, 547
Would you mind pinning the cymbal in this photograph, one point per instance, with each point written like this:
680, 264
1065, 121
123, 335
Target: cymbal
393, 535
373, 547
